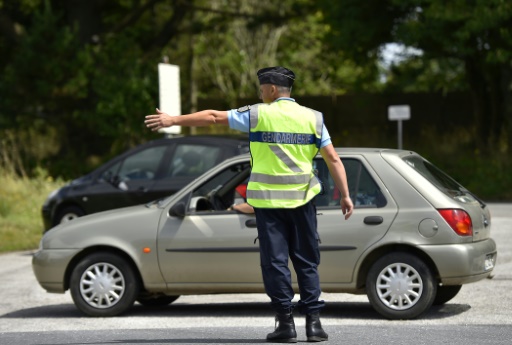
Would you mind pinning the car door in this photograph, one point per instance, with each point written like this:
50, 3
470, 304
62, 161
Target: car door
211, 248
342, 242
217, 248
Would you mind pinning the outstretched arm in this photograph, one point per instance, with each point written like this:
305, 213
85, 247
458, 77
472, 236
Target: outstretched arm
201, 118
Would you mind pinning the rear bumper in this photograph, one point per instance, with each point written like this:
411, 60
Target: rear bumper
50, 267
463, 263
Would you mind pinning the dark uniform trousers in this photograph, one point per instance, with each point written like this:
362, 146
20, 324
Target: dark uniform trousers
292, 233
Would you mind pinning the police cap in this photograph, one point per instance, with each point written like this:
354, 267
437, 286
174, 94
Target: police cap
277, 76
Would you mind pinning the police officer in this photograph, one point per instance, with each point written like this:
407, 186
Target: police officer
284, 139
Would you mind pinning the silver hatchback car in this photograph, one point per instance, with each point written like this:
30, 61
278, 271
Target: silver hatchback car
416, 236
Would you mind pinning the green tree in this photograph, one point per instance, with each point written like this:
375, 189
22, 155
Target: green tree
473, 37
83, 68
83, 73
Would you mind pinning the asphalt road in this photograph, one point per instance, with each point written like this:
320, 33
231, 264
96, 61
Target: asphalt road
480, 314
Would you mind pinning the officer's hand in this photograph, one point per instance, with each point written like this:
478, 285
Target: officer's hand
347, 207
159, 120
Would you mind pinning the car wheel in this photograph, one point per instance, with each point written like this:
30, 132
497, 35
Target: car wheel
400, 286
104, 284
68, 214
156, 300
446, 293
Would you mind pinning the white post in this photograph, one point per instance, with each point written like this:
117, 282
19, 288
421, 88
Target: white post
169, 92
399, 134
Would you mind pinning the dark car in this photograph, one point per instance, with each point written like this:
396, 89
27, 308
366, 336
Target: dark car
148, 172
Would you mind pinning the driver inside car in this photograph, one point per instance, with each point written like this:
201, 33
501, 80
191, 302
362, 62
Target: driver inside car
241, 207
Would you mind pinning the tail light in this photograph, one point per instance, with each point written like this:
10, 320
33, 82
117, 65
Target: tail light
459, 220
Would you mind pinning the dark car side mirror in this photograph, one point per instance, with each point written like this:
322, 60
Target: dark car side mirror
122, 186
178, 210
118, 183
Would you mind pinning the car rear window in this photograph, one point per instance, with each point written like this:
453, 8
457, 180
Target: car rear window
437, 177
363, 189
429, 171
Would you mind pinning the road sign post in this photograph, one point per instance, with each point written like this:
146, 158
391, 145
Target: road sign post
399, 113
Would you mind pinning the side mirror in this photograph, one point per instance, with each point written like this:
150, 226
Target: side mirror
122, 186
178, 210
118, 183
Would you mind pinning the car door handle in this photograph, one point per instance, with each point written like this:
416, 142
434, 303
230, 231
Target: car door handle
250, 223
373, 220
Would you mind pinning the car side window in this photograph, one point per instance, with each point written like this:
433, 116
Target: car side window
110, 173
193, 160
363, 190
221, 191
142, 165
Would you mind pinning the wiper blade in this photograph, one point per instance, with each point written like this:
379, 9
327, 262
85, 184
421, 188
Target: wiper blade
480, 201
465, 192
455, 193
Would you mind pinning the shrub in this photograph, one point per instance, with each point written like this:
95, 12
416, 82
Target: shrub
21, 198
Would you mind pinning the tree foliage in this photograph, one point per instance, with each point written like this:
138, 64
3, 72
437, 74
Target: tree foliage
465, 44
85, 71
82, 74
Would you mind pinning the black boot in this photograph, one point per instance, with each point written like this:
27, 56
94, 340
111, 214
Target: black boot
314, 330
285, 330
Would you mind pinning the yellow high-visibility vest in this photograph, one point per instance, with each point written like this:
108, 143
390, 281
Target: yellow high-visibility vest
284, 138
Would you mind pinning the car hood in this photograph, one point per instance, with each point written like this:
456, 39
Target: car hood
104, 228
65, 189
80, 180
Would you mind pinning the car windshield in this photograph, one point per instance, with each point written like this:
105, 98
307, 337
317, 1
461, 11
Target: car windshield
440, 179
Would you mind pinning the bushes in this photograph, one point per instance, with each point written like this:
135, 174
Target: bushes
22, 192
21, 225
488, 176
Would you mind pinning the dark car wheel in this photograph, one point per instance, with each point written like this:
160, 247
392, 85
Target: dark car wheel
156, 301
446, 293
104, 284
400, 286
69, 213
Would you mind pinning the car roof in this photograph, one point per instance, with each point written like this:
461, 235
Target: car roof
366, 151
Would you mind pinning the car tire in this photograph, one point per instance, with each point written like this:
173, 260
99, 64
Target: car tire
68, 213
410, 277
445, 293
104, 284
156, 301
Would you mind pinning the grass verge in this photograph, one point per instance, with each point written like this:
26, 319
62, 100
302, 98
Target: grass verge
21, 225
